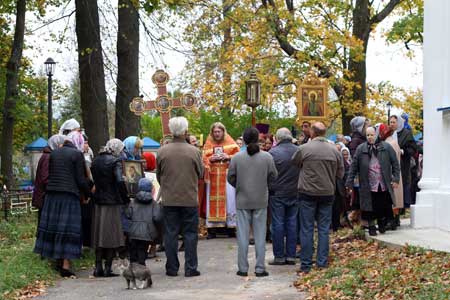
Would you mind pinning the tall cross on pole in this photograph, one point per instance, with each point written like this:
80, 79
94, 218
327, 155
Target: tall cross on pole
163, 103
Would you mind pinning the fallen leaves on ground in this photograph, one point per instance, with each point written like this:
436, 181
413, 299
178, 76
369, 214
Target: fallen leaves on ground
35, 289
362, 269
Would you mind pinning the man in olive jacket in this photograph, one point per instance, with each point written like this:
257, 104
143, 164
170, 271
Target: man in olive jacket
179, 166
320, 165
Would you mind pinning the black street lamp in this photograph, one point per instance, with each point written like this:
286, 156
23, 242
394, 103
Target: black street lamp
50, 65
389, 106
253, 94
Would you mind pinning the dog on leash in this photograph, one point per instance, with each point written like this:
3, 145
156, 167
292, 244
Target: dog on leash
139, 272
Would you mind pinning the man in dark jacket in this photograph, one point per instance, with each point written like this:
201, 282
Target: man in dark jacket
320, 165
283, 200
179, 166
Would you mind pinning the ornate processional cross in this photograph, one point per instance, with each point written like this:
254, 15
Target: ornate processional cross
163, 103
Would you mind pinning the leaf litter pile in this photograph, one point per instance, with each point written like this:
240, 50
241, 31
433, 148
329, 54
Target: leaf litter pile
362, 269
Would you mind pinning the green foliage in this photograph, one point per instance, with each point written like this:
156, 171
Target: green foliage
70, 101
409, 28
201, 121
151, 127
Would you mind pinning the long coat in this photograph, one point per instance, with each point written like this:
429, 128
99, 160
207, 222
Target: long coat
398, 201
390, 169
406, 142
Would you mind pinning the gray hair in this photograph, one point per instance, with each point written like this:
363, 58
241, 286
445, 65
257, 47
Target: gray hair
283, 134
178, 126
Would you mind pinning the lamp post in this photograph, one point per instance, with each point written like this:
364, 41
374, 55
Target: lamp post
389, 106
253, 94
49, 70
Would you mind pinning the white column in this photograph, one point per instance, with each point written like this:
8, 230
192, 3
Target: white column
433, 202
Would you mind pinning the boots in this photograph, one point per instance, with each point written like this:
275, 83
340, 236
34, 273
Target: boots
372, 228
108, 269
382, 225
109, 255
98, 272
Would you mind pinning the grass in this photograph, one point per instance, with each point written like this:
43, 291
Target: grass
22, 271
368, 271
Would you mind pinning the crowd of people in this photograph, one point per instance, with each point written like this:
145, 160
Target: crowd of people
257, 188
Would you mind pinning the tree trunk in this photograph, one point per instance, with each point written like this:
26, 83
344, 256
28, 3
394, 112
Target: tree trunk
127, 123
92, 76
357, 67
11, 94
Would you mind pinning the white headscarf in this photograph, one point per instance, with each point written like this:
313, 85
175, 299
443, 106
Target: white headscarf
55, 141
70, 124
115, 146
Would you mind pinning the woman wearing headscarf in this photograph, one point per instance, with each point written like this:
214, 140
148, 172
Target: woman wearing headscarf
379, 173
385, 133
40, 183
358, 136
68, 126
408, 149
133, 147
109, 196
59, 233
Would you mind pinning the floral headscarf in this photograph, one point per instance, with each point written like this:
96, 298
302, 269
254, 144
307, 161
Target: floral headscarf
76, 138
115, 146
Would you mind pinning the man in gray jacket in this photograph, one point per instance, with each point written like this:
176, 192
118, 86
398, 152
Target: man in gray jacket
179, 166
251, 172
320, 164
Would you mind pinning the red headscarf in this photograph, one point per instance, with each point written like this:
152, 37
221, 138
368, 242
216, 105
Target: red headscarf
151, 161
385, 131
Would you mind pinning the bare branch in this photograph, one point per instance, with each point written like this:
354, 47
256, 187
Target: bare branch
379, 17
53, 21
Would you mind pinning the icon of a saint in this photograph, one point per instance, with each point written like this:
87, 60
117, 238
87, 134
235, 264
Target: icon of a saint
313, 107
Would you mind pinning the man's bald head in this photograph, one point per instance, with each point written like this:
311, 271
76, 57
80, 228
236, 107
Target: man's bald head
318, 129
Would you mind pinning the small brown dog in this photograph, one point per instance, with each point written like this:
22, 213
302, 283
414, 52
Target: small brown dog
139, 272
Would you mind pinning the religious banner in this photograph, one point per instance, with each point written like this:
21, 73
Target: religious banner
312, 98
163, 103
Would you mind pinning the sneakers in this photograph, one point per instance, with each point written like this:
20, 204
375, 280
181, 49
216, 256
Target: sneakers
243, 274
372, 231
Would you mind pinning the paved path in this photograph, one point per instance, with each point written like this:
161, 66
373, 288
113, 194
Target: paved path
217, 262
428, 238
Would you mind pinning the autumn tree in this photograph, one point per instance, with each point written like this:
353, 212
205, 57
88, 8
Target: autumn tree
282, 40
11, 94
